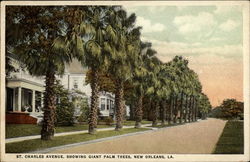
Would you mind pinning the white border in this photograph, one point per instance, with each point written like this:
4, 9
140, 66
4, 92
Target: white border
178, 157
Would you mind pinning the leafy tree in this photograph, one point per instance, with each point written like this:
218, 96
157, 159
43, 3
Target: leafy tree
232, 109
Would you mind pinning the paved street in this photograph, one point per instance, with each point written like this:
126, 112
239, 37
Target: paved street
194, 138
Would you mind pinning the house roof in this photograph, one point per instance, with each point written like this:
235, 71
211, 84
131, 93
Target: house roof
75, 67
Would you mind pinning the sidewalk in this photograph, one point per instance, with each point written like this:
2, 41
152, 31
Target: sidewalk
18, 139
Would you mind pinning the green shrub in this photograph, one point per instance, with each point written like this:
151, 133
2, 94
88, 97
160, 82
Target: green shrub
109, 121
229, 109
84, 110
65, 114
105, 120
64, 107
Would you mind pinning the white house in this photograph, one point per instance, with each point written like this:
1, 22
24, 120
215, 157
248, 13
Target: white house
74, 79
22, 90
24, 93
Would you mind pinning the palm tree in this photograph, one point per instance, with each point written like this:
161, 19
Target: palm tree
198, 90
155, 89
195, 90
164, 76
141, 78
204, 105
95, 58
123, 46
86, 40
175, 75
37, 28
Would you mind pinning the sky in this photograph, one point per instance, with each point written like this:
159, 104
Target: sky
210, 37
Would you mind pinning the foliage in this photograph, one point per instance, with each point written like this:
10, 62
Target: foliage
105, 81
31, 31
109, 121
84, 110
216, 112
64, 108
9, 66
232, 109
204, 105
106, 120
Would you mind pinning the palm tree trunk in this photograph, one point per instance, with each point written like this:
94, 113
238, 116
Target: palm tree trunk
175, 108
190, 109
186, 109
170, 118
155, 114
149, 109
94, 103
119, 104
163, 112
47, 131
132, 111
138, 113
194, 113
195, 117
181, 107
193, 109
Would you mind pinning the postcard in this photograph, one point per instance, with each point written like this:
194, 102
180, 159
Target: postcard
124, 81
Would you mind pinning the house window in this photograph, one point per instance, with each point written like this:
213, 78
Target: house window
108, 104
102, 103
75, 84
112, 104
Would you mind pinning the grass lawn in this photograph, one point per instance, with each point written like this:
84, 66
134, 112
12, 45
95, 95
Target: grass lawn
37, 144
232, 139
19, 130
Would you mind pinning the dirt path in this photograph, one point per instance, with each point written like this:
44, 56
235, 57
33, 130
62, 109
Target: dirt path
195, 138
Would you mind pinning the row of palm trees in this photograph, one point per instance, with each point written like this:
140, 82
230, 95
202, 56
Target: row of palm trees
106, 40
170, 91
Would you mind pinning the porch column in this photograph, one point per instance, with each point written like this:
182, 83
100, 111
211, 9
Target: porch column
42, 100
19, 102
33, 100
14, 99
